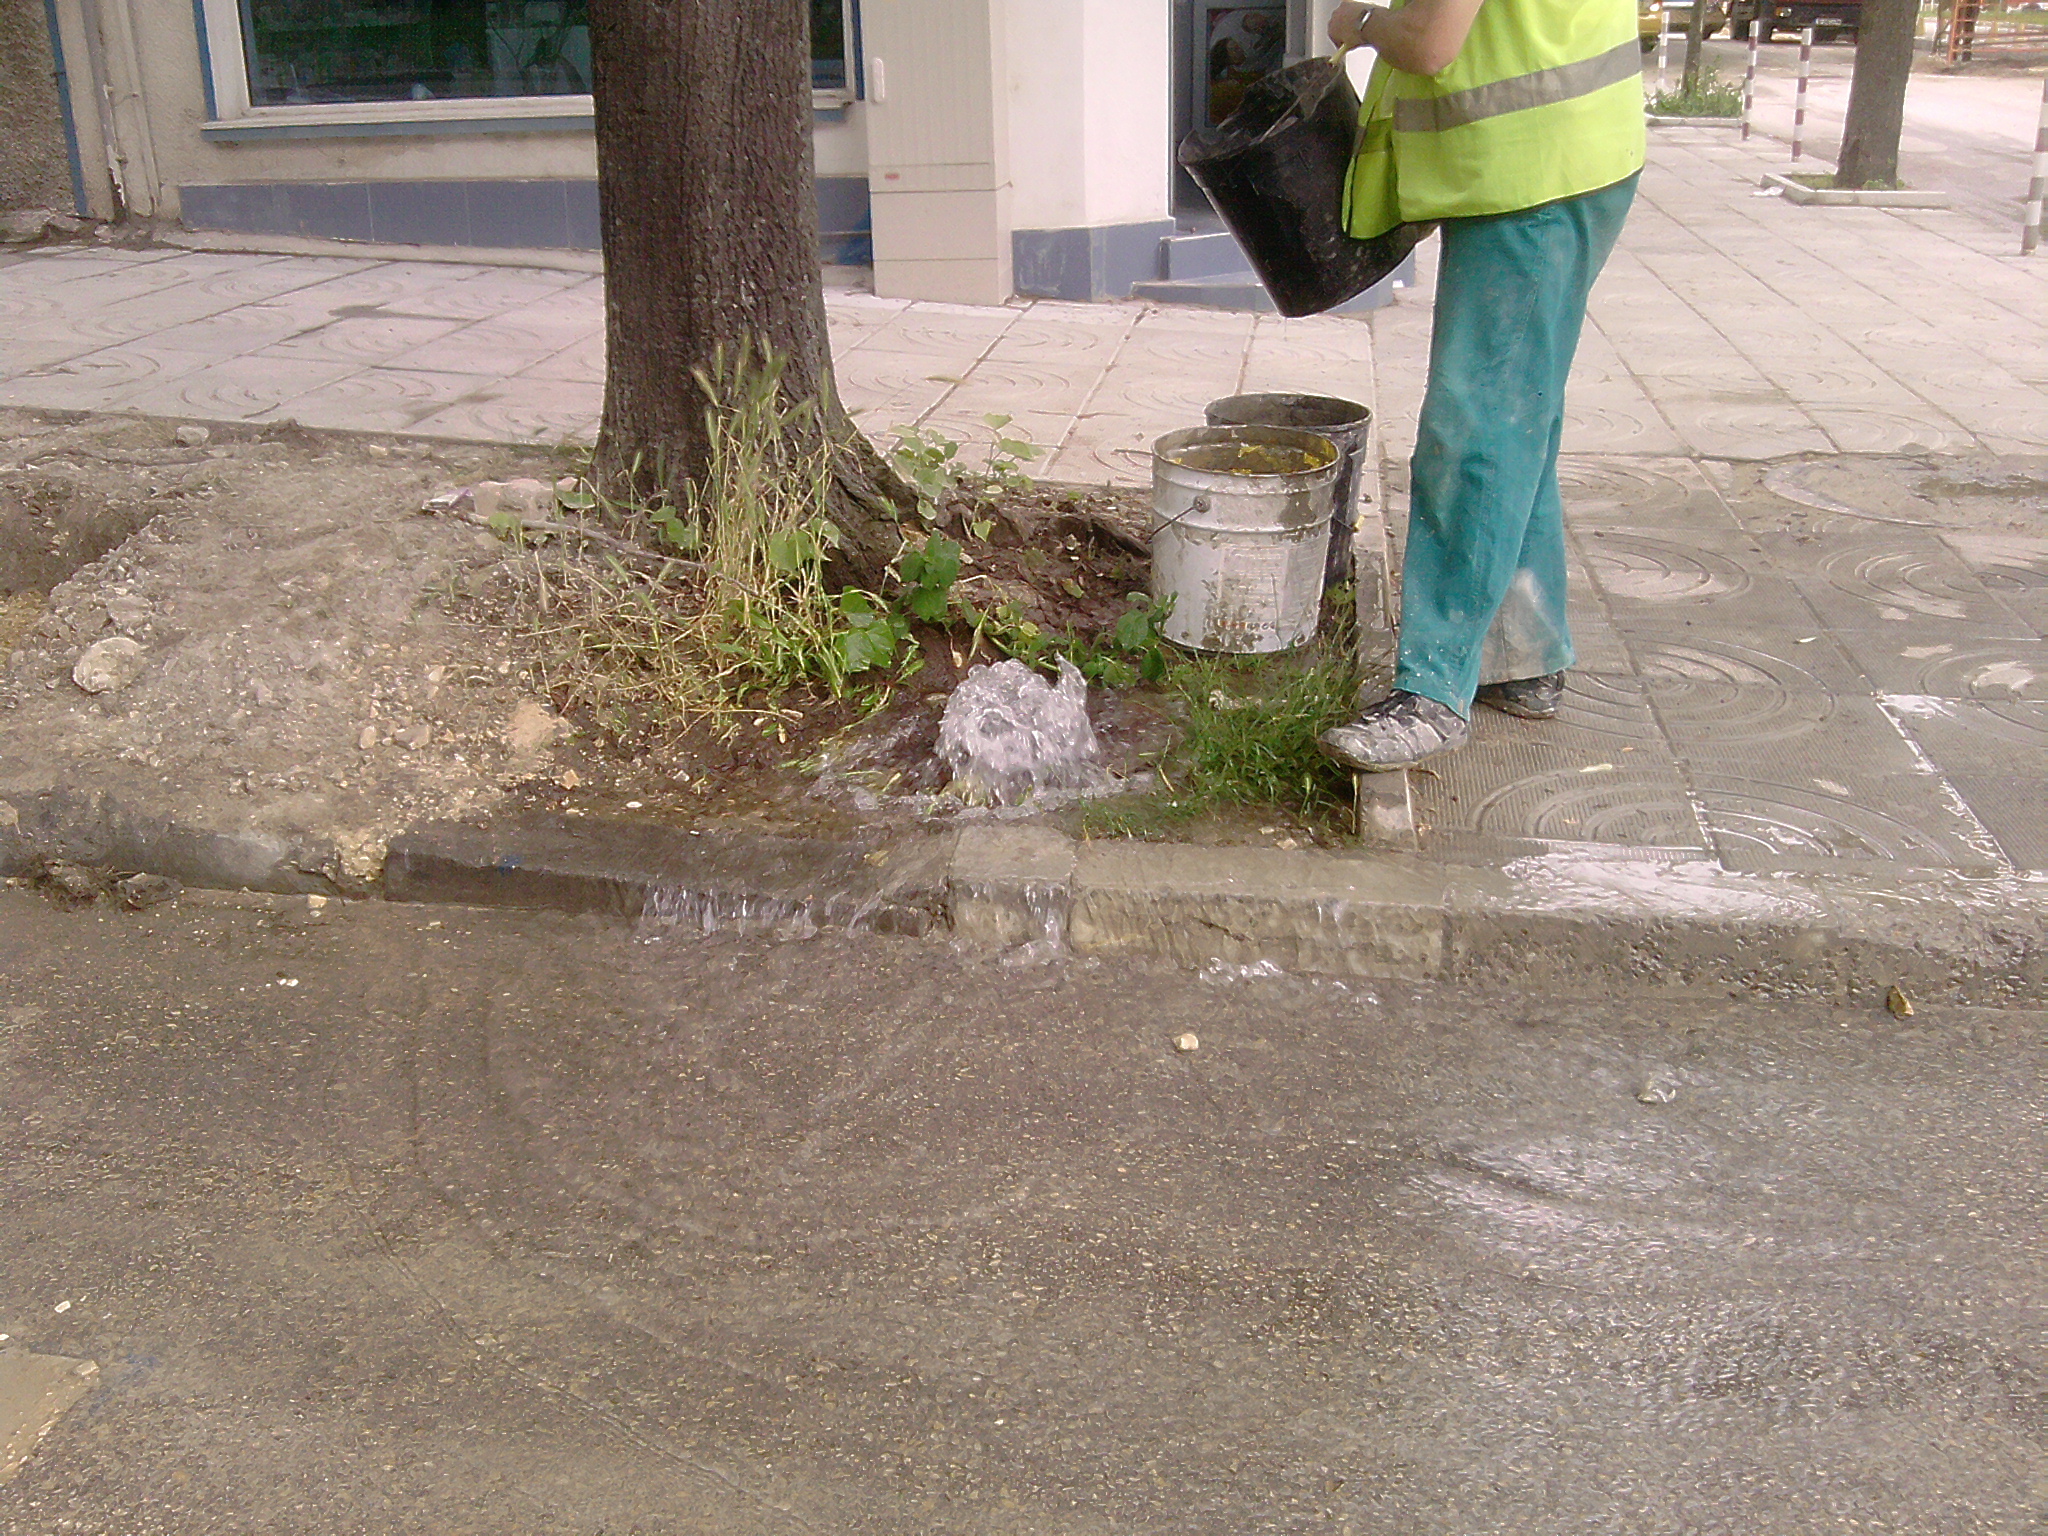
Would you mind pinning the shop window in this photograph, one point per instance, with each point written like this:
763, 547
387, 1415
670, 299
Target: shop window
832, 31
307, 51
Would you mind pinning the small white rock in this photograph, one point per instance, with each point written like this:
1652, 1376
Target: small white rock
1657, 1090
108, 665
192, 437
368, 739
1187, 1042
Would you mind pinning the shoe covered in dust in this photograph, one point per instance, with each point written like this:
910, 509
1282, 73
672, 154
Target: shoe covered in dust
1526, 698
1403, 729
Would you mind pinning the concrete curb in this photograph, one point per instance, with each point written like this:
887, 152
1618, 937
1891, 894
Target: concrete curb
97, 829
1557, 923
1835, 197
1542, 923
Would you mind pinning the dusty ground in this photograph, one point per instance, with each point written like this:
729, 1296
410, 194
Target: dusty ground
302, 671
326, 665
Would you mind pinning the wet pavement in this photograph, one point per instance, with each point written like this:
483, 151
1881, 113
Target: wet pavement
377, 1219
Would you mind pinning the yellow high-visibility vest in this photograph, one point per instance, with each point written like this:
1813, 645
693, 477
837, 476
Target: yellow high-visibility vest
1544, 101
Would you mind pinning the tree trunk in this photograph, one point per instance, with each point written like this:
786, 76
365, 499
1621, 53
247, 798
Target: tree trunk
1695, 31
710, 227
1877, 94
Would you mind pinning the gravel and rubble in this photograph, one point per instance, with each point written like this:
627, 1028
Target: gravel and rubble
305, 671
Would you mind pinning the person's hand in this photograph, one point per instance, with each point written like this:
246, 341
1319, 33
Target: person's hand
1345, 22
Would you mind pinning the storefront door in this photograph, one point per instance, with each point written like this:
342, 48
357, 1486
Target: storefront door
1221, 47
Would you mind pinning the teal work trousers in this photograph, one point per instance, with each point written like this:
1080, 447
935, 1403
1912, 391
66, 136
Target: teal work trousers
1483, 577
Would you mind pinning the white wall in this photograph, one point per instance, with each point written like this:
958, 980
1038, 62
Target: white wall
1091, 111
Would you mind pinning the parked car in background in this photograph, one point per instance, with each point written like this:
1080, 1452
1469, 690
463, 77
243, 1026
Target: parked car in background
1830, 19
1650, 20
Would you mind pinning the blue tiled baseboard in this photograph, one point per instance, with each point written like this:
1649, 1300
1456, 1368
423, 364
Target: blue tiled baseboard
532, 215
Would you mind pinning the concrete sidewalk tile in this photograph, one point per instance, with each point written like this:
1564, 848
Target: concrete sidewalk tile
383, 400
364, 339
1017, 388
233, 332
1743, 428
530, 411
964, 423
1869, 581
487, 291
582, 362
44, 349
239, 389
1710, 660
1931, 659
1176, 400
1572, 787
1616, 419
1865, 821
942, 331
1795, 732
1978, 737
2010, 809
1874, 429
101, 379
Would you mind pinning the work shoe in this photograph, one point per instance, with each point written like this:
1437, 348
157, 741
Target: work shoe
1401, 730
1527, 698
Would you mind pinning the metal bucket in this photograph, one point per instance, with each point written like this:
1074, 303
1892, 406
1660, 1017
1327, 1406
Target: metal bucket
1344, 422
1240, 532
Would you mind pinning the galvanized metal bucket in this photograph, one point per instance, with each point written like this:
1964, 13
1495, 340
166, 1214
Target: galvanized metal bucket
1240, 532
1345, 423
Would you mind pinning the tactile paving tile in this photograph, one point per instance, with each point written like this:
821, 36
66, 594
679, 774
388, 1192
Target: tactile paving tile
1641, 566
1717, 658
2013, 568
1862, 583
1897, 819
1766, 729
1666, 494
1932, 659
2011, 810
1549, 780
1979, 737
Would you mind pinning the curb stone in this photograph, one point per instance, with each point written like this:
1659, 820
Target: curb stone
99, 830
1836, 197
1562, 922
672, 876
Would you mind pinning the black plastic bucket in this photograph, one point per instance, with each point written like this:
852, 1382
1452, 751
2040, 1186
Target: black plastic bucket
1347, 425
1274, 169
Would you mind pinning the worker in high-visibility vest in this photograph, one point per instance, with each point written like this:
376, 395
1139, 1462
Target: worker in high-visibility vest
1518, 125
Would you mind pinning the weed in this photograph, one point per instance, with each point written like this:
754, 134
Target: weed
740, 614
930, 463
1711, 96
1249, 737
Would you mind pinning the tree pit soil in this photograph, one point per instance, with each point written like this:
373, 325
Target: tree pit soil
1068, 559
322, 665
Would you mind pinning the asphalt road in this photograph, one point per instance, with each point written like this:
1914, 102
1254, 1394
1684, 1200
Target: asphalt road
398, 1219
1971, 134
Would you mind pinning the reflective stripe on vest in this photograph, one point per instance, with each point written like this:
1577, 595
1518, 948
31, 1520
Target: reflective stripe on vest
1540, 88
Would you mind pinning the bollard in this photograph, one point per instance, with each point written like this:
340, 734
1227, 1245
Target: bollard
1663, 48
1749, 81
1799, 100
2030, 230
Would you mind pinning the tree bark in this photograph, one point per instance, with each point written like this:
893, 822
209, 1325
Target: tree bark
710, 229
1695, 32
1877, 94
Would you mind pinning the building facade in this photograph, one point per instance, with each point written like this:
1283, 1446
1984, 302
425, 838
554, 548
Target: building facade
969, 149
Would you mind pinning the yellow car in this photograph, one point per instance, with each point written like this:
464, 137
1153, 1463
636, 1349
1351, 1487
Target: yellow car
1650, 19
